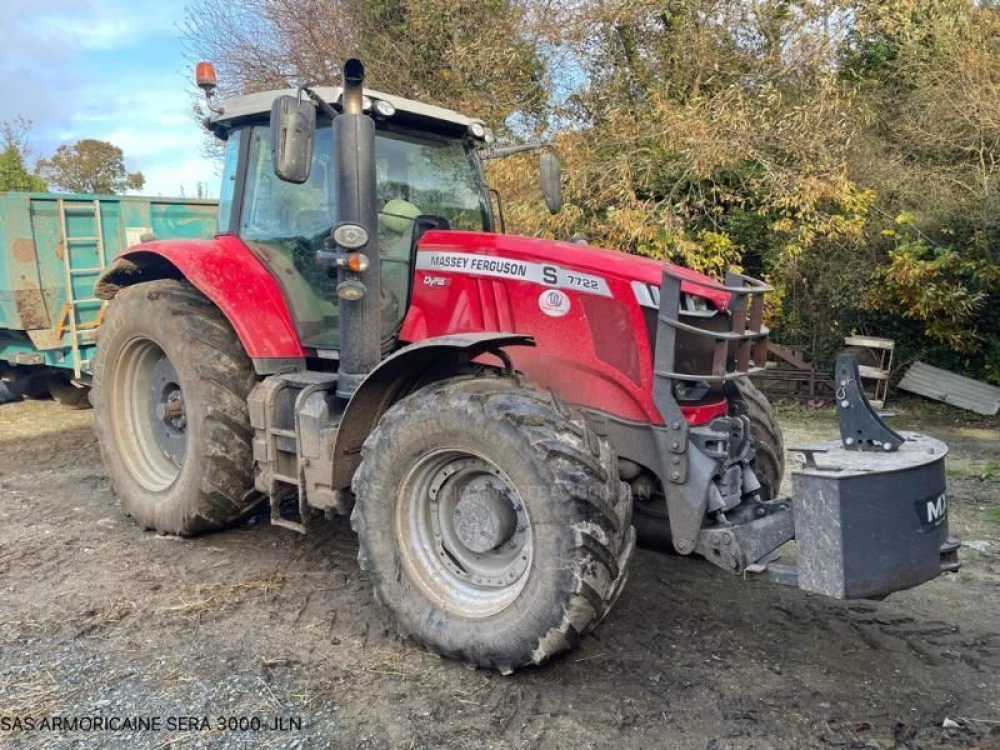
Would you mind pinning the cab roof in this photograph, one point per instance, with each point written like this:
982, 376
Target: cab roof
252, 106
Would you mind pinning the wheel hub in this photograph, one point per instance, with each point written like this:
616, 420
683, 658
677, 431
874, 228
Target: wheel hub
149, 414
169, 416
484, 517
464, 532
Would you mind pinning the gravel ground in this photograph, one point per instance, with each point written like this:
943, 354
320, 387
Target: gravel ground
100, 621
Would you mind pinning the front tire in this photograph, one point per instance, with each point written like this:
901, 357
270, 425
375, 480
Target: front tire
170, 390
492, 522
769, 465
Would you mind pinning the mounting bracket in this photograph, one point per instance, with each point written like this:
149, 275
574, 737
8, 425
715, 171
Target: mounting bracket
861, 428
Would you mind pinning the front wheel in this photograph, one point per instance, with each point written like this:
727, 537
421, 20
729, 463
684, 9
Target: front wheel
492, 522
170, 409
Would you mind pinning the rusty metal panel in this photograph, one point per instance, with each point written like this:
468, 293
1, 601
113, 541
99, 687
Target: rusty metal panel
956, 390
33, 279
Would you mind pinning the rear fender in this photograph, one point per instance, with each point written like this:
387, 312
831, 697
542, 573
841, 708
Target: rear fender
233, 278
397, 376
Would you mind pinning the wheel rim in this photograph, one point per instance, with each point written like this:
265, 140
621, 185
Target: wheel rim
149, 414
463, 532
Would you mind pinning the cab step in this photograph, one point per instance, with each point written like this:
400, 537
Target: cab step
291, 416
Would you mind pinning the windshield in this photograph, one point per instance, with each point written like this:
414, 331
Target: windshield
285, 224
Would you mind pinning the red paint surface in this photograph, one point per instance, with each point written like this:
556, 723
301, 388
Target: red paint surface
597, 355
226, 272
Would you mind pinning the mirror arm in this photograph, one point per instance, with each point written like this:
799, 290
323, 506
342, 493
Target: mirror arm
504, 151
323, 105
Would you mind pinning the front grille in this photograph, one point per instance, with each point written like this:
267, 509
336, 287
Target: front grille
694, 353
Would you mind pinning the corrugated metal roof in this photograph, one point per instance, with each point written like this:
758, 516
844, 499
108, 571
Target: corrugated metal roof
952, 389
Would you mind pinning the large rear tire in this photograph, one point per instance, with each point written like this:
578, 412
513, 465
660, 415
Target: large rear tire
650, 516
170, 390
492, 522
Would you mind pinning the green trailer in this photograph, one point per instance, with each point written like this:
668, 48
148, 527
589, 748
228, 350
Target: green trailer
52, 248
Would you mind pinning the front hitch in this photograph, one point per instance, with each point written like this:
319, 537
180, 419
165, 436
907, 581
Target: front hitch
868, 511
698, 460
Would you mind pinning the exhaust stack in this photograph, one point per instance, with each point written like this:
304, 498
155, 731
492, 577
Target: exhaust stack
357, 203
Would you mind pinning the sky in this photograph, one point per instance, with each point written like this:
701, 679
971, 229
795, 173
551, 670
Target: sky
114, 70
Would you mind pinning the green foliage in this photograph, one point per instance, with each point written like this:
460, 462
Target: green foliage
938, 286
846, 150
90, 166
14, 174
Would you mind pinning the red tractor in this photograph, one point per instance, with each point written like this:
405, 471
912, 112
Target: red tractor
495, 412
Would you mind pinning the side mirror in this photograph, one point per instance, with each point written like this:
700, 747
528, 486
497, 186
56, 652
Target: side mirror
550, 173
293, 131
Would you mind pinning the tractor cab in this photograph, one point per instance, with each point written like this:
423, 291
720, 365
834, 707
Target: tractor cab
427, 166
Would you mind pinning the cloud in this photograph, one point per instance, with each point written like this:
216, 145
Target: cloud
173, 177
111, 70
93, 24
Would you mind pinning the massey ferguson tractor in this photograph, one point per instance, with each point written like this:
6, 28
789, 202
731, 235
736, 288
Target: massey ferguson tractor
498, 414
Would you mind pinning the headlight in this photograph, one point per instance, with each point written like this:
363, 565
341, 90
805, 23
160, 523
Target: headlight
350, 236
478, 131
384, 108
350, 290
690, 390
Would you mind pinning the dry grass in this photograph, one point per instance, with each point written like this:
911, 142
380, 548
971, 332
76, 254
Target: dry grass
37, 694
211, 597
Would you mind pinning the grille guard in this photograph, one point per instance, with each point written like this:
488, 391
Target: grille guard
735, 349
867, 524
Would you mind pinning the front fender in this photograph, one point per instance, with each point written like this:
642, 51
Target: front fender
399, 375
231, 276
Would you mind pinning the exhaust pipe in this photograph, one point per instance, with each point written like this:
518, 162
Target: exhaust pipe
357, 202
354, 79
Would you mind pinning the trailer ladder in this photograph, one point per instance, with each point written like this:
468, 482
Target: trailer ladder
81, 332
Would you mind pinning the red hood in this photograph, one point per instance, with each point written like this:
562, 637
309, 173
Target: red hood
582, 258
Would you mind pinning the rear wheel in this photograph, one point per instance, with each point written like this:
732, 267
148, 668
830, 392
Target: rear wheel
170, 387
650, 518
492, 522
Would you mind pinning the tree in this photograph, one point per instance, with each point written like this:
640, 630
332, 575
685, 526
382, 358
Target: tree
475, 56
89, 166
14, 175
848, 150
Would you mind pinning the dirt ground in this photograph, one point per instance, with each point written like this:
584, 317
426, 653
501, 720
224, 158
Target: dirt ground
100, 619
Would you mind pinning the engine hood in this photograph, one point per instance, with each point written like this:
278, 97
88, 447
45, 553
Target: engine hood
583, 258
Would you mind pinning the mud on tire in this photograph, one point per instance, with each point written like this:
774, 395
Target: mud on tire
168, 331
561, 476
